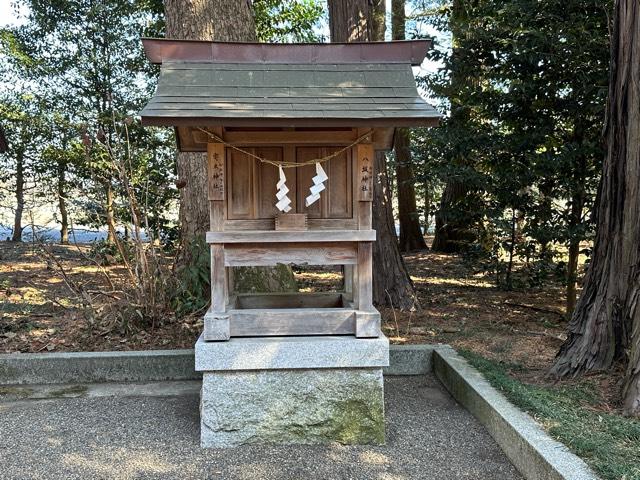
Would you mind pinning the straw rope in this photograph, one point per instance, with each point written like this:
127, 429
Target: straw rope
284, 164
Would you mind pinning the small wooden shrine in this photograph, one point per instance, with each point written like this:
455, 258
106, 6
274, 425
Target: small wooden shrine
290, 133
260, 111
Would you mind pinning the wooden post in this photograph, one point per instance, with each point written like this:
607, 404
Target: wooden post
364, 152
216, 180
216, 321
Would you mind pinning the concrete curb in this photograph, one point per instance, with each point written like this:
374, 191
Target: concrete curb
536, 455
96, 367
151, 366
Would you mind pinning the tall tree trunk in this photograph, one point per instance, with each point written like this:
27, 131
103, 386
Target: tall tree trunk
392, 285
223, 21
351, 21
17, 219
108, 208
410, 234
606, 321
62, 204
575, 219
452, 231
215, 20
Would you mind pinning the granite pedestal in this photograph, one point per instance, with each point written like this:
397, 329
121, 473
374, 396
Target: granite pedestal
292, 390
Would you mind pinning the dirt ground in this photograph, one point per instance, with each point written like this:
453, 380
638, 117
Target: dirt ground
40, 313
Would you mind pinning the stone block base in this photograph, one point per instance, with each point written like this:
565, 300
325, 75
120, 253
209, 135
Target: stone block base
292, 390
292, 407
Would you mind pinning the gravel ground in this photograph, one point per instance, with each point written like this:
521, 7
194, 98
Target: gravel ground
156, 437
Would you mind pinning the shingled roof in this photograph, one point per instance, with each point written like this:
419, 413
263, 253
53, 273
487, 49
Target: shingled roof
252, 85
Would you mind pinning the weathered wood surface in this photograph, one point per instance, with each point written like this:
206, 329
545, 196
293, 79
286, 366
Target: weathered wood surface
215, 170
219, 291
272, 236
291, 221
365, 273
193, 140
365, 171
289, 300
291, 321
368, 324
261, 254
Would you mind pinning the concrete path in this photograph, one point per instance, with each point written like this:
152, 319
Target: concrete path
151, 432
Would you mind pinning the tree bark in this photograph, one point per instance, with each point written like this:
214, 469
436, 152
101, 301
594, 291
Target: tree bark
218, 20
62, 204
575, 219
452, 231
391, 283
352, 21
606, 321
410, 234
17, 219
224, 21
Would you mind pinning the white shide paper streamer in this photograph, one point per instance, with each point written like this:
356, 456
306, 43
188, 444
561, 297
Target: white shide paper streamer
284, 202
318, 185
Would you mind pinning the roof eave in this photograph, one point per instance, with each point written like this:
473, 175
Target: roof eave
290, 122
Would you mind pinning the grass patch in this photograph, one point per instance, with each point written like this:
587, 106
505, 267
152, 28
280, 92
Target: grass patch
608, 442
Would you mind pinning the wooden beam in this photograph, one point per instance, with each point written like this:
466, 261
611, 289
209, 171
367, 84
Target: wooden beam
272, 236
295, 137
289, 300
260, 255
291, 321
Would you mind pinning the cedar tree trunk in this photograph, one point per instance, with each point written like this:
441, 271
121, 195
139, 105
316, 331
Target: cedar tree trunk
224, 21
17, 219
575, 219
410, 234
452, 231
606, 322
352, 21
219, 20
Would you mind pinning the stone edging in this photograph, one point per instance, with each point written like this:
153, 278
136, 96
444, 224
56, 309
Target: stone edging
151, 366
534, 453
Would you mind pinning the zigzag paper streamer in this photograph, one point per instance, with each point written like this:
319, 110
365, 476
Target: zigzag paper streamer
284, 202
318, 185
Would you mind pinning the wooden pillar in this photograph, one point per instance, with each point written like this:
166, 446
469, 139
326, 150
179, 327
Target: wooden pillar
367, 317
216, 320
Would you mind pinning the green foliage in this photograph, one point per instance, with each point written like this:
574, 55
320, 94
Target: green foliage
193, 280
608, 442
287, 21
524, 82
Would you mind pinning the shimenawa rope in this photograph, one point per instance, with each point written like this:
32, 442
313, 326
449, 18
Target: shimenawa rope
284, 164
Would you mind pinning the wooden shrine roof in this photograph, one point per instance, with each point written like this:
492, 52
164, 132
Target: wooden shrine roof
315, 85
